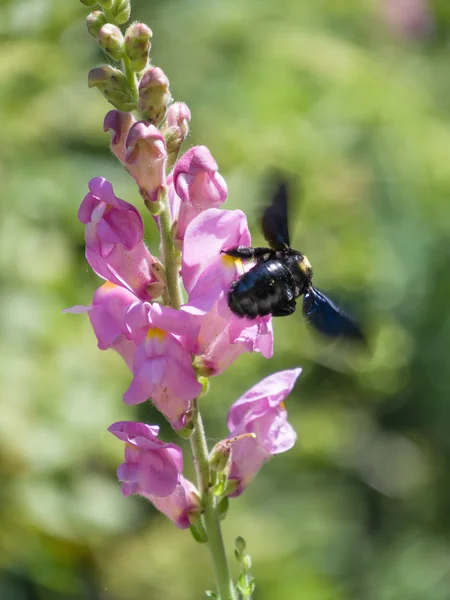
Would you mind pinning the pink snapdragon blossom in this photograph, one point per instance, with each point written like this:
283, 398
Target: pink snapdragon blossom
162, 365
145, 159
119, 124
223, 337
153, 469
194, 186
114, 239
207, 275
260, 411
108, 315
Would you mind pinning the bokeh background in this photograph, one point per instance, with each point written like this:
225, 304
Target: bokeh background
352, 99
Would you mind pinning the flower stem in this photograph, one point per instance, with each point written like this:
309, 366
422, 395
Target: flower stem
170, 260
225, 587
131, 77
199, 447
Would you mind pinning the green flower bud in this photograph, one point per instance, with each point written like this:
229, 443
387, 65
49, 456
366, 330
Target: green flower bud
204, 381
121, 11
106, 3
111, 41
137, 45
219, 457
222, 507
89, 3
95, 21
198, 532
154, 95
186, 432
240, 544
113, 85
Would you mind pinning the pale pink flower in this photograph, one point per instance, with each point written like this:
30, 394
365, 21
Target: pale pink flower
260, 411
114, 239
153, 469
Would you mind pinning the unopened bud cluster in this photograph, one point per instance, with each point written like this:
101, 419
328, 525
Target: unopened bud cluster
141, 87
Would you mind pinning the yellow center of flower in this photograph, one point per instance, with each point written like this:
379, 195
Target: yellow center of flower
156, 333
230, 261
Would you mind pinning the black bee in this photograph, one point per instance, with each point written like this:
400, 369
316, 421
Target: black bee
280, 276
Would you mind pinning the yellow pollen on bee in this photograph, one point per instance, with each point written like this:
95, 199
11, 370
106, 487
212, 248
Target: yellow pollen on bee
155, 332
304, 265
283, 406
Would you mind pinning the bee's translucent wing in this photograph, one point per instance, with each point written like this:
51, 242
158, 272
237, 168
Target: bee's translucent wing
327, 317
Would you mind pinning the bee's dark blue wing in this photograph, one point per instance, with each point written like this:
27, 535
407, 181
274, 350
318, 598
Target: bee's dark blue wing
275, 218
328, 318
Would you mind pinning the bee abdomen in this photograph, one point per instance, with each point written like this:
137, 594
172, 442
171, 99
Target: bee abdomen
265, 289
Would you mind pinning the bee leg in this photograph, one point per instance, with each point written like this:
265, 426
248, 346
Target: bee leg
247, 253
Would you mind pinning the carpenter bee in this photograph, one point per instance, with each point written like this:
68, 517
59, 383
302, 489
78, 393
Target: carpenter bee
282, 274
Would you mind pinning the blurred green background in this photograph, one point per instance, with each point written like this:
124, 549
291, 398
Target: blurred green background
351, 97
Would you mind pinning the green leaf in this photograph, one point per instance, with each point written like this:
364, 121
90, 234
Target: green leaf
198, 532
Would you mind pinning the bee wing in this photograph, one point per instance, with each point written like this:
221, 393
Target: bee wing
327, 317
275, 218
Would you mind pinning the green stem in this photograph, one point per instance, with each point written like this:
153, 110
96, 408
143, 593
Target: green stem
216, 546
169, 254
225, 587
131, 77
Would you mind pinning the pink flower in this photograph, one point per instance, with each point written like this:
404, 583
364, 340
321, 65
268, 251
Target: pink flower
119, 123
223, 337
207, 274
114, 246
178, 115
260, 411
153, 470
194, 186
162, 365
408, 18
145, 159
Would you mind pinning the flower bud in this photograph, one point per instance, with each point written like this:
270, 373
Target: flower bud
119, 124
95, 21
177, 122
145, 160
111, 41
137, 45
121, 11
114, 86
240, 545
108, 4
220, 456
89, 3
154, 95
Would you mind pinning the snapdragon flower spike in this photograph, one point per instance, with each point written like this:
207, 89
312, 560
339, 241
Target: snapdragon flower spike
145, 159
260, 411
153, 469
195, 185
162, 365
114, 239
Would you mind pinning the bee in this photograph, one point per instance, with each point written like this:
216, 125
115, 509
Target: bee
281, 275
